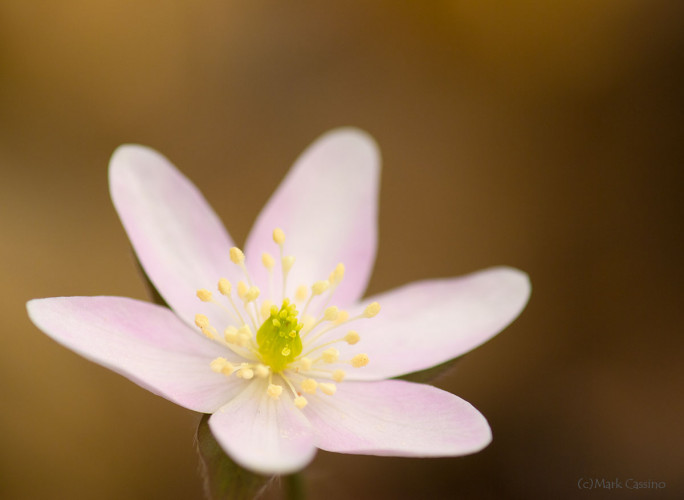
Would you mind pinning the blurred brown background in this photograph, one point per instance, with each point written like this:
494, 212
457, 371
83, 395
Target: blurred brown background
543, 135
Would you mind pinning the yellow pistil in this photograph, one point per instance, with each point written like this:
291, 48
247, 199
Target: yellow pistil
278, 337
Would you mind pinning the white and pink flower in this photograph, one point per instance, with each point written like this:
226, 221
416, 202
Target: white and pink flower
284, 353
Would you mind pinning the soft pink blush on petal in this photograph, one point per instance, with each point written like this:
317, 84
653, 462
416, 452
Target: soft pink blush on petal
146, 343
327, 207
179, 240
427, 323
396, 418
262, 434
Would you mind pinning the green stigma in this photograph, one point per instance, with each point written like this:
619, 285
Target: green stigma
278, 337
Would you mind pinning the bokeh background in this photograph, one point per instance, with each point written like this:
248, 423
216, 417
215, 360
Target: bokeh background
543, 135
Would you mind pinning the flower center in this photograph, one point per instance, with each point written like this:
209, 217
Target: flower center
292, 350
278, 337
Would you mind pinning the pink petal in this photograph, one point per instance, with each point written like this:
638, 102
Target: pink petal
396, 418
178, 238
144, 342
327, 207
427, 323
262, 434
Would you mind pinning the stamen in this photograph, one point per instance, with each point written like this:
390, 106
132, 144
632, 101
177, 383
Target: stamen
230, 334
371, 310
338, 375
244, 336
317, 288
201, 321
342, 317
300, 402
268, 261
352, 337
330, 355
309, 386
331, 313
266, 308
306, 363
204, 295
245, 372
302, 293
274, 391
262, 371
287, 263
224, 287
360, 360
328, 388
218, 364
242, 289
236, 256
320, 287
337, 275
252, 294
278, 236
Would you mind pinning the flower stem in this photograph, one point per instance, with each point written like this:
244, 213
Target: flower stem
294, 487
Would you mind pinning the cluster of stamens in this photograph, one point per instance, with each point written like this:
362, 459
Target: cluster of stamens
277, 343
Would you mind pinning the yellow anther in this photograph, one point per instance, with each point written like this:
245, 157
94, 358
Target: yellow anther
267, 260
231, 335
352, 337
274, 391
245, 373
371, 310
306, 363
330, 355
360, 360
252, 294
204, 295
308, 321
224, 287
302, 293
261, 371
309, 386
266, 308
201, 321
278, 236
320, 287
218, 364
338, 273
327, 388
244, 335
331, 313
338, 375
342, 317
288, 262
207, 332
236, 255
300, 402
242, 289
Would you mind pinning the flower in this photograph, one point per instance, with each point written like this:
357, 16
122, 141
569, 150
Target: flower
283, 353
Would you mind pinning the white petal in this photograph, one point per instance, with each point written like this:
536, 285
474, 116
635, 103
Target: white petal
179, 240
424, 324
396, 418
144, 342
327, 207
264, 435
